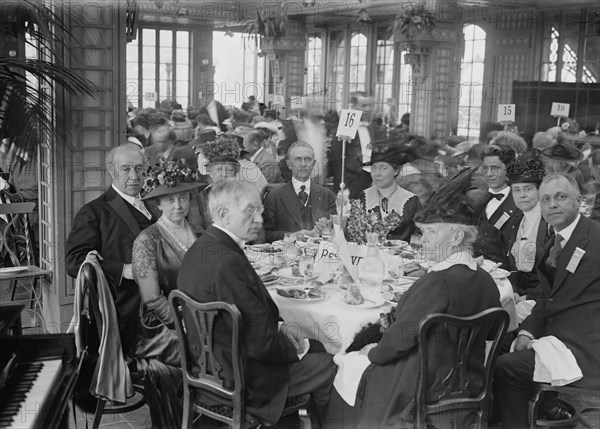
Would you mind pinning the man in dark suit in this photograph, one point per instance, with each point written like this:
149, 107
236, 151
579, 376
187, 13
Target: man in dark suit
254, 145
216, 269
501, 210
296, 206
216, 112
568, 307
109, 225
357, 178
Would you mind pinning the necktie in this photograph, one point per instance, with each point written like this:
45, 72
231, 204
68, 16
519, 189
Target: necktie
554, 251
303, 195
498, 196
139, 204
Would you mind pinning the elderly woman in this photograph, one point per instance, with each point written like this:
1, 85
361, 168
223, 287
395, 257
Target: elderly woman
386, 196
157, 255
528, 234
455, 285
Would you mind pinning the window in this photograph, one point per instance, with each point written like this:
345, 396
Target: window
158, 67
358, 63
384, 76
314, 54
471, 81
566, 36
336, 69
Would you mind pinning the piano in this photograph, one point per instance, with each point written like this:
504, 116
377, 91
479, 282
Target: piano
38, 375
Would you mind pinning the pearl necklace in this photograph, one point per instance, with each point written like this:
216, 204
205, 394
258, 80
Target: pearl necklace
184, 243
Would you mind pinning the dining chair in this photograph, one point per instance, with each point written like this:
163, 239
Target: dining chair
202, 371
577, 398
90, 340
466, 333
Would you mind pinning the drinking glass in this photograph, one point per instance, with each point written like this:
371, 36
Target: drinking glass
416, 242
288, 237
306, 265
327, 233
396, 269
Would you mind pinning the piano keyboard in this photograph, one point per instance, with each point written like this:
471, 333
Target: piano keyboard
21, 400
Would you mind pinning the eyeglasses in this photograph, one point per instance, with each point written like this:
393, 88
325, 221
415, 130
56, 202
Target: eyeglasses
492, 168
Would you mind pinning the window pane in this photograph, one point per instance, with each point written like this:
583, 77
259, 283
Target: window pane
148, 85
166, 38
149, 37
149, 54
132, 70
132, 52
183, 39
131, 91
469, 32
166, 55
592, 49
165, 72
182, 88
478, 50
149, 71
182, 72
478, 33
468, 51
477, 76
164, 90
183, 56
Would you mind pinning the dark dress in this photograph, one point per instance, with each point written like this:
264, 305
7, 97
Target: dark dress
157, 349
403, 202
385, 396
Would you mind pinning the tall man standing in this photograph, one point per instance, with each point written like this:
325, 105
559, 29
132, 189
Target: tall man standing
296, 206
109, 225
568, 307
216, 269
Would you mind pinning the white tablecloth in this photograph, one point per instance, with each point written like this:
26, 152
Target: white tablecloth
334, 323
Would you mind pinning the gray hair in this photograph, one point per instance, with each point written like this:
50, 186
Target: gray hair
300, 143
470, 235
572, 182
226, 194
127, 147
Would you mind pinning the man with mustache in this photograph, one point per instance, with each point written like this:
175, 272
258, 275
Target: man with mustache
109, 225
568, 307
296, 206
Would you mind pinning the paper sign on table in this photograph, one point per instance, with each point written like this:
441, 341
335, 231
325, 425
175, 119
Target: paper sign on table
506, 113
560, 109
349, 122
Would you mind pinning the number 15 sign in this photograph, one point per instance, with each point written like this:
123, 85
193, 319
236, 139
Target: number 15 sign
349, 122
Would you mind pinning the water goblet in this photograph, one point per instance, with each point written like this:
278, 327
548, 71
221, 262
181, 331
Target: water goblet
306, 265
396, 270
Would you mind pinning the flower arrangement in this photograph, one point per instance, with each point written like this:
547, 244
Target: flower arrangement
412, 19
268, 27
220, 148
169, 174
362, 221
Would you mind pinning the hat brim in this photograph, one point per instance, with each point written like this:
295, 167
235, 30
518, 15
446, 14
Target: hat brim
167, 190
572, 154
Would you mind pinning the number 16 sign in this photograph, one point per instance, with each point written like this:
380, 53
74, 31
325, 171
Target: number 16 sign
349, 122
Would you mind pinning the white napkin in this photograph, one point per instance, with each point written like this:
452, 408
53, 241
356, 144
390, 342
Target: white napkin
554, 362
350, 369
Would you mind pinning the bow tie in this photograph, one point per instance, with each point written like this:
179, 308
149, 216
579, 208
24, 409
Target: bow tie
498, 196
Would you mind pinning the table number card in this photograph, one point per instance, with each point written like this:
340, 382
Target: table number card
560, 109
506, 113
349, 122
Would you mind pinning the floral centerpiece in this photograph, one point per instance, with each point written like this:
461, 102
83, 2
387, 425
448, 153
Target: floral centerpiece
171, 174
412, 20
362, 221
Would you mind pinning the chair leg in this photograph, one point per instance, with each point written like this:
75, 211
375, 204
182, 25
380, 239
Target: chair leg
13, 286
187, 420
98, 414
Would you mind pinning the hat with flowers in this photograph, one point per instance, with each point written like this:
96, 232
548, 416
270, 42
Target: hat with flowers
528, 168
224, 148
171, 177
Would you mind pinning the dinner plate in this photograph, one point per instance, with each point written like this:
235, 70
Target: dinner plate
371, 301
270, 282
287, 273
310, 299
13, 270
395, 244
400, 281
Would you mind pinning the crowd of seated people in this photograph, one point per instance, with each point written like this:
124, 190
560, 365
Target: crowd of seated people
183, 188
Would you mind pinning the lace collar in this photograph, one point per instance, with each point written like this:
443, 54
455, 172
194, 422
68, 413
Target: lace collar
396, 201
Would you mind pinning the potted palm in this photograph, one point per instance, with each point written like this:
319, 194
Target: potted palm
413, 23
267, 29
26, 115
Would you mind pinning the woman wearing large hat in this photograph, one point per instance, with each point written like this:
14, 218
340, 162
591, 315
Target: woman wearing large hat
528, 234
157, 255
386, 196
454, 285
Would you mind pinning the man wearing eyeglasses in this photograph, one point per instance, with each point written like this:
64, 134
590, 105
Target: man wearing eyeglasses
109, 225
501, 209
297, 206
276, 363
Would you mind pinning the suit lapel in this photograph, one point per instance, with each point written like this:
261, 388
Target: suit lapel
579, 238
292, 204
541, 241
120, 210
316, 202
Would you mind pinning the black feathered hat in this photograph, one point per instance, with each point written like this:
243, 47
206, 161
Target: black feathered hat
391, 152
529, 168
455, 201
